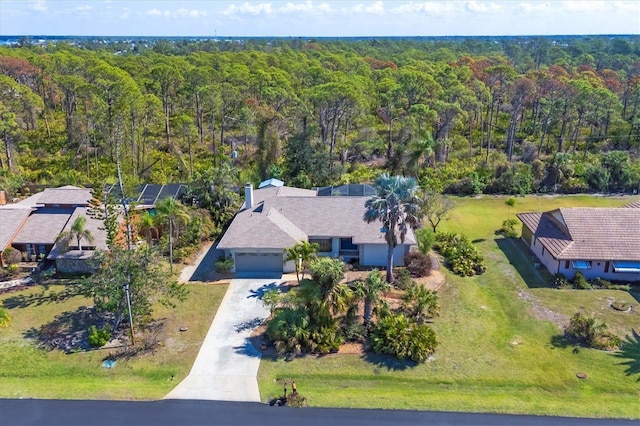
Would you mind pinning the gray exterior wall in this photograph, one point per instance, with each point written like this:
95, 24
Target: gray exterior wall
376, 255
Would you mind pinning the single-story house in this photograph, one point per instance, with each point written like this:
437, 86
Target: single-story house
33, 227
11, 221
598, 242
40, 232
277, 217
69, 258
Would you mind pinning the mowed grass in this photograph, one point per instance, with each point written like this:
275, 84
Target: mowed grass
28, 371
494, 355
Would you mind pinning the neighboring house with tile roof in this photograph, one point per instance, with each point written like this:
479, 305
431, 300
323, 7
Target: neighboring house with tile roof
598, 242
33, 227
11, 221
275, 218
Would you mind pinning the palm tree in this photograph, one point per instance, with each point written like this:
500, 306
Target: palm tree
78, 232
301, 253
370, 291
147, 225
396, 205
421, 153
173, 213
420, 303
5, 319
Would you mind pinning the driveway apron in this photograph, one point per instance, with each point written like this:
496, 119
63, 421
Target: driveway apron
227, 364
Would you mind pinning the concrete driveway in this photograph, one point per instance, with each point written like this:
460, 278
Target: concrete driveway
227, 364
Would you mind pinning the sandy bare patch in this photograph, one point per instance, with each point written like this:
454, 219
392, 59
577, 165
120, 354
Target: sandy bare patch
543, 313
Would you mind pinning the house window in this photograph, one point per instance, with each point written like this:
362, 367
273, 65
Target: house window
606, 266
346, 244
566, 264
324, 243
626, 267
581, 264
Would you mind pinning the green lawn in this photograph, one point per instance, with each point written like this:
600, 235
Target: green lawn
494, 355
27, 371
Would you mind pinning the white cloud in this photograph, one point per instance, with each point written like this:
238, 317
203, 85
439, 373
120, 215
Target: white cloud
190, 13
83, 8
249, 9
154, 12
478, 7
532, 7
125, 13
376, 8
427, 7
585, 6
307, 7
38, 5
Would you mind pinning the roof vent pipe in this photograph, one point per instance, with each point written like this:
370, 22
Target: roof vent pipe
248, 196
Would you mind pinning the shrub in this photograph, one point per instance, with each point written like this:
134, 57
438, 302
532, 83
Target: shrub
600, 283
396, 335
418, 263
12, 269
98, 337
5, 318
426, 238
402, 278
420, 303
560, 281
580, 282
327, 271
463, 258
355, 332
509, 228
12, 256
295, 400
223, 265
592, 332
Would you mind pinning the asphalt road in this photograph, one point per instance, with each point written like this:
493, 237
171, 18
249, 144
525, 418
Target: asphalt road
188, 412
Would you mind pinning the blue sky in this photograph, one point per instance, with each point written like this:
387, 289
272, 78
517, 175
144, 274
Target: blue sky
317, 18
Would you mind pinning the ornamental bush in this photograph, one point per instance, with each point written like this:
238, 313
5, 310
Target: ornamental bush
98, 337
462, 256
509, 228
223, 265
397, 335
592, 332
418, 263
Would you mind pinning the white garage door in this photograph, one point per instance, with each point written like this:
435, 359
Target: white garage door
259, 262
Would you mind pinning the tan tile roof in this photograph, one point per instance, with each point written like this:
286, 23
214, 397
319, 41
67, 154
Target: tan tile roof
633, 205
282, 216
68, 195
43, 226
551, 234
588, 233
10, 222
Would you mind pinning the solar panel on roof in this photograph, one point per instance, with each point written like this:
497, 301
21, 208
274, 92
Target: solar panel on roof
150, 194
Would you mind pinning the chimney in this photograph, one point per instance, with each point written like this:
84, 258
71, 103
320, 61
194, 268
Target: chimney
248, 196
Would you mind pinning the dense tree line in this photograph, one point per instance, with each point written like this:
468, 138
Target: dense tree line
462, 115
